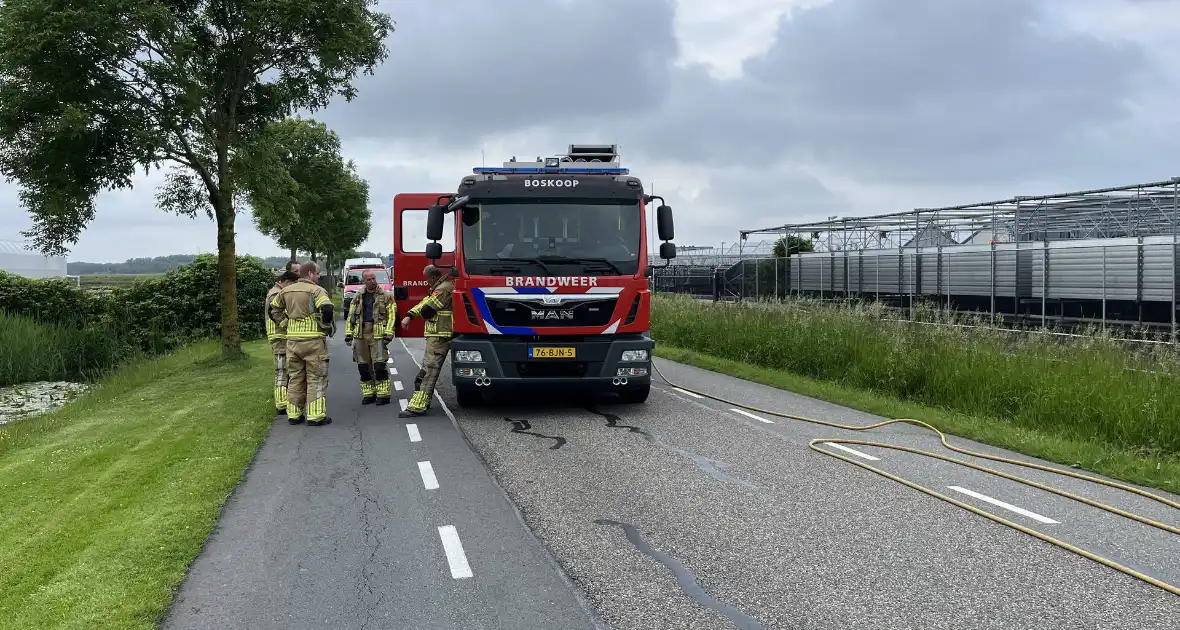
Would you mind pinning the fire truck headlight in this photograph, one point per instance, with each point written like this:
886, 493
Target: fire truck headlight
468, 356
634, 355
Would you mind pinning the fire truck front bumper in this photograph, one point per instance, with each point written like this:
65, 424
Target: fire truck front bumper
614, 362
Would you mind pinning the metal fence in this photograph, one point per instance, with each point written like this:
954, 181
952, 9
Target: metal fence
1131, 281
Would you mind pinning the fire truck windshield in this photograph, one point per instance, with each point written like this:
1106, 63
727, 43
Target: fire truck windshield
552, 238
356, 276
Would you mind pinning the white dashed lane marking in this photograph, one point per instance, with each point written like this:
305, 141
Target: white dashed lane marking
1007, 506
398, 385
750, 415
848, 449
428, 478
412, 429
688, 393
454, 550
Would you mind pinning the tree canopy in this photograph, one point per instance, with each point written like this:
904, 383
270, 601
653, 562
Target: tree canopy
92, 92
302, 192
791, 244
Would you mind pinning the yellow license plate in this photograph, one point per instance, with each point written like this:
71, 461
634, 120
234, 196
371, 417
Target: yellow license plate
552, 353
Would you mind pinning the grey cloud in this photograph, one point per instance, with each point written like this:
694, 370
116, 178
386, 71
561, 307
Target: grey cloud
748, 198
966, 90
462, 68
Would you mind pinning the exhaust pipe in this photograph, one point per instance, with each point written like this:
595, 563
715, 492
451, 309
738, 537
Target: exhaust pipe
615, 381
623, 381
483, 381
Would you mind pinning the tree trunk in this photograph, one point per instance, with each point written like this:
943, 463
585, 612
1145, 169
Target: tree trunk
227, 276
292, 254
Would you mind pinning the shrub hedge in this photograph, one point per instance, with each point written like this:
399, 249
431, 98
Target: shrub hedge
94, 331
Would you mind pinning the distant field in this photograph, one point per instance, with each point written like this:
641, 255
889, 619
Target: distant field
114, 280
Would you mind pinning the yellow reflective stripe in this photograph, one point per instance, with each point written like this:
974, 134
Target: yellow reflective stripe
418, 402
276, 302
317, 409
321, 301
304, 328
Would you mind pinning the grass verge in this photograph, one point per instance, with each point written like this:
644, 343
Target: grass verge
1077, 406
108, 500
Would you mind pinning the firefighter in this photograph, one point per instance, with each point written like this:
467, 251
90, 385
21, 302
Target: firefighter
436, 310
307, 310
276, 334
369, 324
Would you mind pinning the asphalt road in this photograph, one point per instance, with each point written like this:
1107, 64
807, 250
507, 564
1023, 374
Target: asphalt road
367, 523
680, 513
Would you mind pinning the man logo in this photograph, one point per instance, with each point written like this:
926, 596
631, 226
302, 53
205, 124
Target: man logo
551, 183
552, 300
562, 315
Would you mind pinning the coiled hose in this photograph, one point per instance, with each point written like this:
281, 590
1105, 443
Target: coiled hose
814, 444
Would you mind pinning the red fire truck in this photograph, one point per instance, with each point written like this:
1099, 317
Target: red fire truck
550, 265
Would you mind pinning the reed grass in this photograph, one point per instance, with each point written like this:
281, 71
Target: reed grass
37, 351
1088, 388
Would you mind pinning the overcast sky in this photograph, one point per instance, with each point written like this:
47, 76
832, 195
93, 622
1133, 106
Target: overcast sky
742, 113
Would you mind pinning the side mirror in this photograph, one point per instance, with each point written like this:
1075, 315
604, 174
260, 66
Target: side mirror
667, 251
648, 272
470, 216
664, 224
401, 293
434, 223
433, 251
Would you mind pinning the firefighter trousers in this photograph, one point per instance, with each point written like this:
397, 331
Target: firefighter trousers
307, 384
278, 348
371, 356
432, 364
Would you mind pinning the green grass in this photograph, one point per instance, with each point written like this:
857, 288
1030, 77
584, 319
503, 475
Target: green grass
35, 351
108, 500
105, 281
1073, 403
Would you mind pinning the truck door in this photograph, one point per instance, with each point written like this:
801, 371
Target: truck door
409, 252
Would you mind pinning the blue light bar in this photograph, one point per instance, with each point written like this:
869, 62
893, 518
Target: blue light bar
500, 170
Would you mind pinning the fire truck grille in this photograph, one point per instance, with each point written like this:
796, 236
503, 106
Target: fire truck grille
536, 314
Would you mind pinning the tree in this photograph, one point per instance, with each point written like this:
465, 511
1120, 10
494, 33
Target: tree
791, 244
303, 193
90, 92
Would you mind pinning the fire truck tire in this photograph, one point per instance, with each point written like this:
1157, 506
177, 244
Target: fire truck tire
634, 396
468, 396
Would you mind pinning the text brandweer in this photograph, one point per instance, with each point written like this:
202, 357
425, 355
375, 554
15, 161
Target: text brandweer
552, 281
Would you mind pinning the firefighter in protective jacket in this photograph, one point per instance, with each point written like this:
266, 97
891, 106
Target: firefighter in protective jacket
306, 310
369, 330
277, 336
435, 309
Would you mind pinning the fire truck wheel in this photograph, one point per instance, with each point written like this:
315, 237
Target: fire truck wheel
468, 396
634, 396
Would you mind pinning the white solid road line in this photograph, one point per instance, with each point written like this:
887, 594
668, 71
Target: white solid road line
404, 403
412, 429
688, 393
437, 396
849, 449
428, 478
999, 503
398, 385
454, 550
750, 415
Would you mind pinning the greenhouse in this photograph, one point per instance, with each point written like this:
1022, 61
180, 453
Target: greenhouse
24, 260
